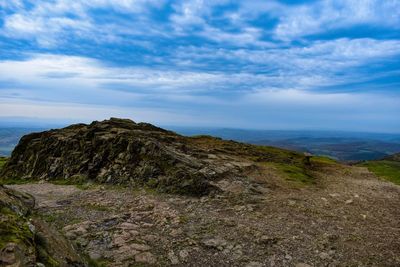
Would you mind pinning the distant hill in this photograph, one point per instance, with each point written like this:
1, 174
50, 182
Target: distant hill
9, 137
395, 157
343, 146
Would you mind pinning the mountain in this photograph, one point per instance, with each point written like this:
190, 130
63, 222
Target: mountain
119, 193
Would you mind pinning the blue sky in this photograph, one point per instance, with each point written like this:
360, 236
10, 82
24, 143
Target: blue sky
332, 64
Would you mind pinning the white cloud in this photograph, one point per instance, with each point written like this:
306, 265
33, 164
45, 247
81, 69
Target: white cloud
13, 4
83, 89
323, 63
323, 16
52, 23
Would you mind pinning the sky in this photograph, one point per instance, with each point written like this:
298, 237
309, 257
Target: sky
325, 65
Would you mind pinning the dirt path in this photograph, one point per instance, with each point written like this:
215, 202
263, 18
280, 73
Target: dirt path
349, 219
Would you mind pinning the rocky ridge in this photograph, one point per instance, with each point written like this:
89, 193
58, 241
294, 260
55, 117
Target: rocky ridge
119, 151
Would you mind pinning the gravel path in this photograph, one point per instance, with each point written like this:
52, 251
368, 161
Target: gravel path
350, 218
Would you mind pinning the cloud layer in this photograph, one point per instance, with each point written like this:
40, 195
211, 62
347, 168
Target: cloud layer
259, 64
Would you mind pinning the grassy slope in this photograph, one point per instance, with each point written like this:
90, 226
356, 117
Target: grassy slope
3, 161
386, 169
289, 164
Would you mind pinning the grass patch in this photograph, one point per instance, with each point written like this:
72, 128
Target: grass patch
13, 228
79, 181
3, 161
294, 173
50, 218
97, 263
5, 181
388, 170
323, 159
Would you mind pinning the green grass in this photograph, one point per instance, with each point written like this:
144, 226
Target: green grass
50, 218
77, 180
294, 173
388, 170
3, 161
323, 159
4, 181
13, 228
96, 263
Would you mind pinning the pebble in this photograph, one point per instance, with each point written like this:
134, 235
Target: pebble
94, 255
324, 255
145, 257
128, 226
183, 254
288, 257
140, 247
173, 258
349, 201
214, 243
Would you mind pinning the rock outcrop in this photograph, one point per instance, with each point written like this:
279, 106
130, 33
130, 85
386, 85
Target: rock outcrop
25, 240
115, 151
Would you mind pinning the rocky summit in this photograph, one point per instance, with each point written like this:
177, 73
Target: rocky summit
115, 151
120, 151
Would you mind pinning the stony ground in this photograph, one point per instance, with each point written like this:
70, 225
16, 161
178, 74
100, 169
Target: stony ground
348, 218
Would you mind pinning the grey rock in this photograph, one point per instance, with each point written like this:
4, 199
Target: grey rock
173, 258
324, 255
145, 257
217, 243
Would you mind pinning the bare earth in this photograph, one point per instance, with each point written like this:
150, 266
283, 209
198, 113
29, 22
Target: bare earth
350, 218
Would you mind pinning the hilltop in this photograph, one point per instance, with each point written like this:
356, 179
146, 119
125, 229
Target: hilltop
120, 151
120, 193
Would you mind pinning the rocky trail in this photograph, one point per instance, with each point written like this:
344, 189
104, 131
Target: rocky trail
350, 219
